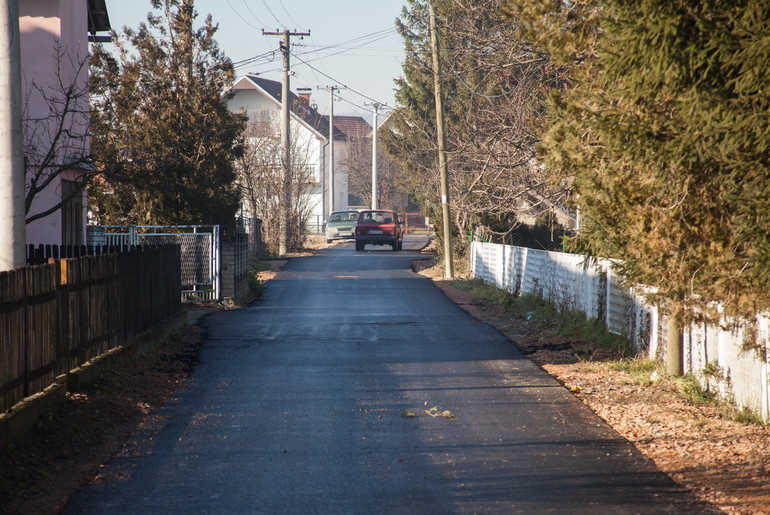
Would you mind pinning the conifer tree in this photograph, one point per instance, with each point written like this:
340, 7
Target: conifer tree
160, 115
663, 133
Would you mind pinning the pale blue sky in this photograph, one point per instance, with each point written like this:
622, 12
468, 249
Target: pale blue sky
353, 43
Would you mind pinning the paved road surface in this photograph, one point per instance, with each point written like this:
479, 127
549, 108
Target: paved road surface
301, 405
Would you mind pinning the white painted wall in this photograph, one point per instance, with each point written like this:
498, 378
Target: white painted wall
253, 101
575, 282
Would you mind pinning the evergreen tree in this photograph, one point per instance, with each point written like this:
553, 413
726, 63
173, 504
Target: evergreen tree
160, 115
411, 142
663, 135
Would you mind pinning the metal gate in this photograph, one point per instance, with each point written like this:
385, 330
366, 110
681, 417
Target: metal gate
199, 249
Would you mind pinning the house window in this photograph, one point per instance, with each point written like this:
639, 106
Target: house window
72, 213
308, 173
262, 124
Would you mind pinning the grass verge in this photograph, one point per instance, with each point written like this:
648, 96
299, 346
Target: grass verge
573, 324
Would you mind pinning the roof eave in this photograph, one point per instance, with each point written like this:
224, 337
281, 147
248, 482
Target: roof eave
98, 18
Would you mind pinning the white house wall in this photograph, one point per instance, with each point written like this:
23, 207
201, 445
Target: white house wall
341, 150
254, 101
250, 101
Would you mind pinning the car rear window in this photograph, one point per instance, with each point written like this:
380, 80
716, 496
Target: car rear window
377, 216
343, 217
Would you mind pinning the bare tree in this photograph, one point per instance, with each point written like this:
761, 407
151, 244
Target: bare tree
496, 179
261, 179
358, 165
495, 89
56, 135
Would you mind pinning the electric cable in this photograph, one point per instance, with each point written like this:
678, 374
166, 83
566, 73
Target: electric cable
271, 13
335, 80
241, 17
288, 14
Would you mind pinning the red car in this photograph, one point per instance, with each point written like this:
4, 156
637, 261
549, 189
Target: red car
379, 227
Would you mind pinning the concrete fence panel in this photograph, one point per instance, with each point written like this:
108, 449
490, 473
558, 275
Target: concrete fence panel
730, 359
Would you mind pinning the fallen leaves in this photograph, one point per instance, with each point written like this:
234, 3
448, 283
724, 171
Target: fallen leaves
434, 412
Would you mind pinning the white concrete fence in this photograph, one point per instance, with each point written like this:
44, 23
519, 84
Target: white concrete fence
736, 358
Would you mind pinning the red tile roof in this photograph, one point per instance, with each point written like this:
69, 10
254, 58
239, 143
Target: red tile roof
351, 126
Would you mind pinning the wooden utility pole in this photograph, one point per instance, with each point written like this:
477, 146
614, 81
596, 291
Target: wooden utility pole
12, 213
448, 258
283, 244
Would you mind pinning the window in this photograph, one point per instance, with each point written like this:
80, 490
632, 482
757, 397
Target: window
72, 213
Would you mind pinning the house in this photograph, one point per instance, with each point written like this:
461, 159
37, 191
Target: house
260, 99
54, 65
352, 126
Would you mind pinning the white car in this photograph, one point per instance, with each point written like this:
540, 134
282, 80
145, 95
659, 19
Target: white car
340, 225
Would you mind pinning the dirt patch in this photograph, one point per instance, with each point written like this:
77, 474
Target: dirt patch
70, 444
723, 462
275, 267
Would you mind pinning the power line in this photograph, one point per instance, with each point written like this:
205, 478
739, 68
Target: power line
332, 78
314, 73
253, 14
380, 34
270, 54
271, 13
241, 17
288, 14
353, 103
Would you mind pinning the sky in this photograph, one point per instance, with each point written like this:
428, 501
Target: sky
353, 44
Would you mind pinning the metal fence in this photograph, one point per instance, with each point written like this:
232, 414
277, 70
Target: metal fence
741, 351
315, 224
415, 222
200, 251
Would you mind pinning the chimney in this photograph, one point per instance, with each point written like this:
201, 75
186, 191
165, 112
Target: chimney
304, 96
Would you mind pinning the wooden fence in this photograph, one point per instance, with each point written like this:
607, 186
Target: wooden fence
40, 254
55, 317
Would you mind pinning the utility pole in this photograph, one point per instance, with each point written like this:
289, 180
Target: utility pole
331, 90
12, 213
283, 245
448, 258
375, 108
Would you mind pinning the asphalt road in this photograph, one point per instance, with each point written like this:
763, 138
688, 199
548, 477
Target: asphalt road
316, 399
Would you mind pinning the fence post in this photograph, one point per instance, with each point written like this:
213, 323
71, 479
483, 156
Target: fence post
216, 262
674, 343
